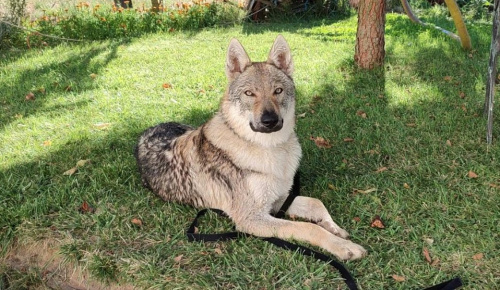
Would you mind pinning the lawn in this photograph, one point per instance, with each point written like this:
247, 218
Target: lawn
407, 144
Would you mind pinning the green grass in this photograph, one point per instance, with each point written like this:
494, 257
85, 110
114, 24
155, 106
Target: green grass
413, 106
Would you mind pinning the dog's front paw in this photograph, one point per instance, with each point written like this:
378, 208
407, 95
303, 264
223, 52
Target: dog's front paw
334, 229
351, 251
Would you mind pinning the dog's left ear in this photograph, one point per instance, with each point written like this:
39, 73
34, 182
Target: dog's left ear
280, 56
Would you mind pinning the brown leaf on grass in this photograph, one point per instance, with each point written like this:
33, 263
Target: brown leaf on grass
362, 114
411, 125
70, 171
462, 95
102, 126
178, 258
478, 256
448, 143
93, 76
365, 191
30, 97
321, 142
86, 208
377, 223
494, 185
68, 88
381, 169
357, 219
137, 222
47, 143
196, 230
427, 256
463, 107
405, 185
435, 262
166, 86
472, 174
398, 278
447, 78
218, 251
82, 162
348, 139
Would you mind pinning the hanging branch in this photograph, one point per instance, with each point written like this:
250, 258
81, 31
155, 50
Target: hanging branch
463, 36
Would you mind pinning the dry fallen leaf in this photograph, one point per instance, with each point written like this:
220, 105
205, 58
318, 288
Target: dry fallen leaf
218, 251
427, 256
136, 221
362, 114
447, 78
102, 126
93, 76
81, 163
70, 171
435, 262
167, 86
462, 95
86, 208
366, 191
429, 241
405, 185
30, 97
303, 115
412, 125
47, 143
348, 139
478, 256
381, 169
178, 258
377, 223
357, 219
398, 278
494, 185
472, 174
448, 143
321, 142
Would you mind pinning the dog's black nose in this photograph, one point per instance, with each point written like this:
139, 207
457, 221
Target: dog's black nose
269, 119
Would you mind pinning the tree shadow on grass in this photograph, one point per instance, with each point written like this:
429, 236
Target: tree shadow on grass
70, 72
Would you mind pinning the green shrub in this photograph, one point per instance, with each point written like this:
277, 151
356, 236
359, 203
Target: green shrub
97, 23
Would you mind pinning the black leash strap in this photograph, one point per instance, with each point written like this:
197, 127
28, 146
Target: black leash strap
192, 236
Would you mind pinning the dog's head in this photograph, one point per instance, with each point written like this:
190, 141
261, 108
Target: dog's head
261, 94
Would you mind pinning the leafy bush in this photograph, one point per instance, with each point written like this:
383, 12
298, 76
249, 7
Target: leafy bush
85, 22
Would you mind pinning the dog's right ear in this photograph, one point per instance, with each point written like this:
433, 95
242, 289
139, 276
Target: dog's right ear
237, 59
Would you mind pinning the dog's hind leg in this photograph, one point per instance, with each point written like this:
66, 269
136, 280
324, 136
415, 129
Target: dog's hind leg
268, 226
312, 209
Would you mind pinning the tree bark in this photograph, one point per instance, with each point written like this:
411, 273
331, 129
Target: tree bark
124, 3
370, 42
155, 5
492, 72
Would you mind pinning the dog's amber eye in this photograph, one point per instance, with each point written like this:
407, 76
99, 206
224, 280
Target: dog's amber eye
278, 91
249, 93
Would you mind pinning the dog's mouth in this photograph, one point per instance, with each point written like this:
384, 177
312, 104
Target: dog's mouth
267, 128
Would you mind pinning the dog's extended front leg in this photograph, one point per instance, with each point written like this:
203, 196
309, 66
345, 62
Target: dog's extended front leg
312, 209
268, 226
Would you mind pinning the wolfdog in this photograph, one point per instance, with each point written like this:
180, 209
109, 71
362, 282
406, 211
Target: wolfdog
243, 160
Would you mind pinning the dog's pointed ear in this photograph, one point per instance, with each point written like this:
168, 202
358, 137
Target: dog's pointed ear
280, 56
237, 59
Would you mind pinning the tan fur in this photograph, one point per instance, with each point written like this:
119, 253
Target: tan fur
243, 160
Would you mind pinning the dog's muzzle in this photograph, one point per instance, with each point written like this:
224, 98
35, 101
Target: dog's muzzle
269, 122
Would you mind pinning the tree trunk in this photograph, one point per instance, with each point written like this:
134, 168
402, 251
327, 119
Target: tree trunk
124, 3
155, 5
492, 72
369, 52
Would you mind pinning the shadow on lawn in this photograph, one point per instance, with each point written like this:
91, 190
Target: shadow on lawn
70, 73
